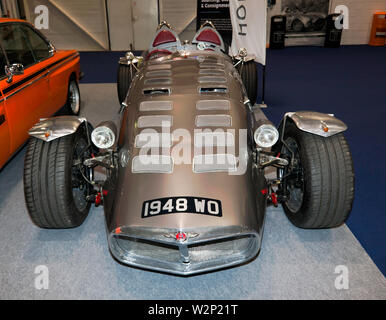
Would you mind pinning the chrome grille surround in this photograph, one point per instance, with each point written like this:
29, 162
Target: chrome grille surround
213, 248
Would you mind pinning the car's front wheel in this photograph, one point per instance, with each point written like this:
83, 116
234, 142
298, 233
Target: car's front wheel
320, 186
55, 187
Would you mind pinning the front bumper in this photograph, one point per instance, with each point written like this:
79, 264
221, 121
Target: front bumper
201, 250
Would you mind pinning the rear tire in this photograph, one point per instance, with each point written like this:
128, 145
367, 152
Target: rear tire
49, 179
125, 77
248, 73
323, 193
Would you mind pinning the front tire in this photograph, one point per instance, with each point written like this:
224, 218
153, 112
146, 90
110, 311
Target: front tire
321, 190
55, 193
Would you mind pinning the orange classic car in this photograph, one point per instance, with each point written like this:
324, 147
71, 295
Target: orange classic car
36, 81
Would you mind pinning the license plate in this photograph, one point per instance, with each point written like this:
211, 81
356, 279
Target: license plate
193, 205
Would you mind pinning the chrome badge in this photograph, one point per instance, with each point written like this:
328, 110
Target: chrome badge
181, 236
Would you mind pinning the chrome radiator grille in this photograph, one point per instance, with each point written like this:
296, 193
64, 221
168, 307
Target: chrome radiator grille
131, 248
220, 249
184, 258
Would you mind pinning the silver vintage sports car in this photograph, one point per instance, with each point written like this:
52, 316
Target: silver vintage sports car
184, 185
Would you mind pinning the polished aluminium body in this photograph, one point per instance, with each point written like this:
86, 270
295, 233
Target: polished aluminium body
317, 123
54, 128
187, 93
218, 241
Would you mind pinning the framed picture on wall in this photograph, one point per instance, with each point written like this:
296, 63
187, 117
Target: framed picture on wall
305, 16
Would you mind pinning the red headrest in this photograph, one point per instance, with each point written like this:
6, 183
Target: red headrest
164, 36
157, 53
208, 35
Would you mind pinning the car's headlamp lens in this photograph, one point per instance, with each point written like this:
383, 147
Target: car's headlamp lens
266, 136
103, 137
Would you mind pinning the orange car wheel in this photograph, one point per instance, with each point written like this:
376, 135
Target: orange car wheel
73, 99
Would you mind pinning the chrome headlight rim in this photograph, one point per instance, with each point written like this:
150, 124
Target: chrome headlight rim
266, 132
109, 137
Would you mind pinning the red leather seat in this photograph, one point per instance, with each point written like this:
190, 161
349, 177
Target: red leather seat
164, 36
209, 35
157, 53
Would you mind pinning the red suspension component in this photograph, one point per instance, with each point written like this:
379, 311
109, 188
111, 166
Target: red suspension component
274, 199
272, 196
98, 199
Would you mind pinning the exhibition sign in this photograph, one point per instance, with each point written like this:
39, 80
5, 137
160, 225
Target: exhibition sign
249, 20
241, 23
216, 11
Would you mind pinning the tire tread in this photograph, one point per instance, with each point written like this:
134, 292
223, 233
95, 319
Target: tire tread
248, 72
47, 179
329, 180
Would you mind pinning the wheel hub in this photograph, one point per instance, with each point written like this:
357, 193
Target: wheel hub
294, 180
80, 187
74, 98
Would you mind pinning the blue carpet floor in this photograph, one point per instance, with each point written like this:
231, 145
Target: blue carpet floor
351, 83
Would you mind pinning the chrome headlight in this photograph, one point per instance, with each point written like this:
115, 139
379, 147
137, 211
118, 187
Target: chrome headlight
103, 136
266, 135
